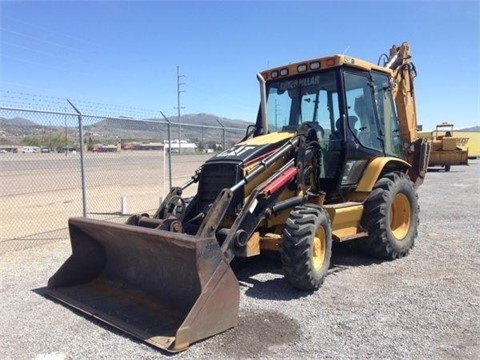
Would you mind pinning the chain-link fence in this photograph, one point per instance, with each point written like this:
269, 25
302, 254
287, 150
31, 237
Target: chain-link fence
123, 167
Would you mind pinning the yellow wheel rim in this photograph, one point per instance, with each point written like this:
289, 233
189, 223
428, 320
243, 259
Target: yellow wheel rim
400, 216
318, 248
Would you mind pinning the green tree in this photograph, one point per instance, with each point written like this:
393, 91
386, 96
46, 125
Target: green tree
51, 140
32, 140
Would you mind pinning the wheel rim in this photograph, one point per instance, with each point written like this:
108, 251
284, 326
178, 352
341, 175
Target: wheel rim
400, 216
318, 248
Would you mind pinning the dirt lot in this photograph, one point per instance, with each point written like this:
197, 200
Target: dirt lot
39, 192
426, 305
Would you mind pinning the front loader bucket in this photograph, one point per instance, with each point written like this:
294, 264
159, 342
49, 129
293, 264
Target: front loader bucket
167, 289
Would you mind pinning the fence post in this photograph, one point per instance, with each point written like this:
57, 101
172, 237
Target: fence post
82, 159
169, 153
223, 135
224, 140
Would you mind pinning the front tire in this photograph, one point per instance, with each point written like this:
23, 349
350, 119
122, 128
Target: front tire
307, 247
391, 217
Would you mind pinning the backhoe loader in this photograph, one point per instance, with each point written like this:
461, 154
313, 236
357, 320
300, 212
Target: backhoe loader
333, 156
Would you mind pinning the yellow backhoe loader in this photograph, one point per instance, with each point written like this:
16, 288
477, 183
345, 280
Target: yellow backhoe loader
333, 156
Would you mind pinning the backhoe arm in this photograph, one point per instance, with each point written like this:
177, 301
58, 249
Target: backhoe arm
417, 150
402, 89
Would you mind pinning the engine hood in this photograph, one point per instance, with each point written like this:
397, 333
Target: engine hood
253, 149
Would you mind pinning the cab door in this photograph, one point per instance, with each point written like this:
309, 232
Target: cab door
364, 136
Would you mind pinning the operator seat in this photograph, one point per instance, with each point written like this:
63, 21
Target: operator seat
365, 135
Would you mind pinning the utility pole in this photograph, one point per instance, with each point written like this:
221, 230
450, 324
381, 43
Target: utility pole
178, 109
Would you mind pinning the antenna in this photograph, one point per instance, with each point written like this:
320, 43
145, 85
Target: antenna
346, 49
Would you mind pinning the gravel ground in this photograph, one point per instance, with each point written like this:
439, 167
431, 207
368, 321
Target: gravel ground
426, 305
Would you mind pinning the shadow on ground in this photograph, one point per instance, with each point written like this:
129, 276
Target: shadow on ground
344, 256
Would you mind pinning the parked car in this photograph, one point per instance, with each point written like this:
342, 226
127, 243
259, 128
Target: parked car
31, 149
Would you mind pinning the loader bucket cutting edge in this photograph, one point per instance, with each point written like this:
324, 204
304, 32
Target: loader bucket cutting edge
165, 288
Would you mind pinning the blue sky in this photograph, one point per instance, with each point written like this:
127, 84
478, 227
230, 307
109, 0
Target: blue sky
127, 53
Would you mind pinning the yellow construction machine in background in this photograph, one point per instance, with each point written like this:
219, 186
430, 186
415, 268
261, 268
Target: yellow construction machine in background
447, 148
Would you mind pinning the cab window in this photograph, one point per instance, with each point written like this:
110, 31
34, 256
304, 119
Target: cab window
360, 111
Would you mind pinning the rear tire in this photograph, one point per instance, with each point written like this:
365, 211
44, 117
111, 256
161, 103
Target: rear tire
307, 247
391, 217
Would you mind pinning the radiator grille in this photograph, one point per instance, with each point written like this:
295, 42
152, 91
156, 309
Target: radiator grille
213, 178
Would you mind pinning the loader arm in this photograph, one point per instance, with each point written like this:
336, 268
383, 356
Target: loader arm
263, 200
253, 212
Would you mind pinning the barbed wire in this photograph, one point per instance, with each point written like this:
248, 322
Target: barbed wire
10, 98
39, 107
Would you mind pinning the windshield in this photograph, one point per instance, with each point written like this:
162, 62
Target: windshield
308, 98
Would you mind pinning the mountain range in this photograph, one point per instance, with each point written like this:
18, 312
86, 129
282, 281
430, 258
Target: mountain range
197, 127
205, 127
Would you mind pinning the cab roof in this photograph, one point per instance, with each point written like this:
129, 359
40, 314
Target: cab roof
304, 67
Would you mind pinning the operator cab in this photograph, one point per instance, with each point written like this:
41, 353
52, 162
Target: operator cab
350, 108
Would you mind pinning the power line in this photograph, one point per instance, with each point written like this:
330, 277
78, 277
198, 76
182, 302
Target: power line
63, 57
40, 39
55, 32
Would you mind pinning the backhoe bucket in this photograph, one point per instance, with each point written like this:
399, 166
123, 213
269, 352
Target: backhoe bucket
167, 289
